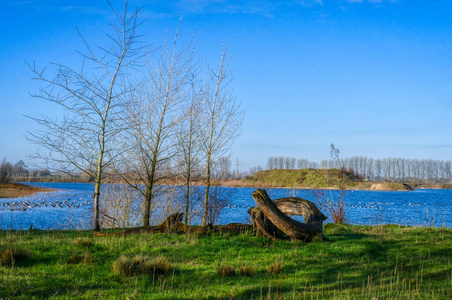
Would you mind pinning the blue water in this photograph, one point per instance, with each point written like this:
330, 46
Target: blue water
70, 207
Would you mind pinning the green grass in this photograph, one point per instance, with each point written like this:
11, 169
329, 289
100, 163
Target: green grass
358, 262
316, 178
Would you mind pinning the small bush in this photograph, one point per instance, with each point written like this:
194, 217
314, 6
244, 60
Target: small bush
225, 270
276, 267
140, 265
83, 242
247, 270
8, 256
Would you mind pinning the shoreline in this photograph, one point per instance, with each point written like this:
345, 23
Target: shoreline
22, 189
18, 190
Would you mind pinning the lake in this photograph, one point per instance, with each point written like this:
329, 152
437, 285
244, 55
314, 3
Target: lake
70, 207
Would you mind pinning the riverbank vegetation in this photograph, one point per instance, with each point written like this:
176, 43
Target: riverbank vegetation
16, 190
357, 262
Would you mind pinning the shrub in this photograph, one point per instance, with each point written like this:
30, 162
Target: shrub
247, 270
140, 265
83, 242
225, 270
276, 267
9, 256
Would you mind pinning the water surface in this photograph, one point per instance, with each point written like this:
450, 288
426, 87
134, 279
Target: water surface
70, 207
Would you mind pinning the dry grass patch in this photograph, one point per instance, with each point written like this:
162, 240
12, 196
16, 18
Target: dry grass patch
140, 265
225, 270
247, 270
16, 190
85, 258
276, 267
83, 242
10, 256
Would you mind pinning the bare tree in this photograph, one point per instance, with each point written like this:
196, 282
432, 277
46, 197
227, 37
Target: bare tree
188, 142
156, 111
271, 163
302, 163
84, 138
222, 119
121, 206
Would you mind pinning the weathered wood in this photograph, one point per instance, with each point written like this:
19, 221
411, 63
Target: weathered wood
275, 211
171, 221
263, 225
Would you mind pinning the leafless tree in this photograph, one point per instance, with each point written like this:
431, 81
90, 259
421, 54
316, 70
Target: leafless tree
92, 100
254, 170
222, 119
157, 110
188, 142
302, 163
271, 163
280, 162
223, 167
121, 206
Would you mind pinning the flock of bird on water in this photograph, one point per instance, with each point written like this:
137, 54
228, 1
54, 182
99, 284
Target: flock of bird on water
69, 203
27, 204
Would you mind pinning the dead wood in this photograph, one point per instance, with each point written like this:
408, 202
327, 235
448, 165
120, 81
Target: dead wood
270, 216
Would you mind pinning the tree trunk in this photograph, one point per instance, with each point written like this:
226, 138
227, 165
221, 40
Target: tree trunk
274, 212
206, 196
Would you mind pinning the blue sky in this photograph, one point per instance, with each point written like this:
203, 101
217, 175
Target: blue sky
373, 77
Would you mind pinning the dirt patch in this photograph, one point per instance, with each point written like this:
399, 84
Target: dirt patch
390, 186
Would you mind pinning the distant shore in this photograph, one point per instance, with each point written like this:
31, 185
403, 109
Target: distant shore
16, 190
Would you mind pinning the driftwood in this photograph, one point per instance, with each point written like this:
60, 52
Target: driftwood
270, 216
171, 221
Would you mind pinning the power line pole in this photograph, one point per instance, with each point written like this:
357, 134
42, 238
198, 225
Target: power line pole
237, 164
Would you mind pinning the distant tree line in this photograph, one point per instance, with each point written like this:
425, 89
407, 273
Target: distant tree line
395, 169
286, 162
19, 170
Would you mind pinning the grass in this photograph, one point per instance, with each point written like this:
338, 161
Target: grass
313, 178
140, 265
276, 267
16, 190
11, 256
356, 262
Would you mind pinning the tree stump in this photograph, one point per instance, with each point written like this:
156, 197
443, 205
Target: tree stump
171, 221
271, 215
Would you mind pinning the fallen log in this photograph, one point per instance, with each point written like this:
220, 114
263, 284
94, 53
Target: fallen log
271, 215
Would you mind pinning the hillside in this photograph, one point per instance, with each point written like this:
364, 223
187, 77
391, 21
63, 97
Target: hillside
316, 178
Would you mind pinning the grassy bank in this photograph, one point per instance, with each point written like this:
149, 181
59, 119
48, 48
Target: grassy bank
15, 190
316, 178
359, 262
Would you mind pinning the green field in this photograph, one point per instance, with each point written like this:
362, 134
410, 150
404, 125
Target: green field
358, 262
